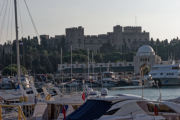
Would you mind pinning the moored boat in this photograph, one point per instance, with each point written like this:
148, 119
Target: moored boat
166, 75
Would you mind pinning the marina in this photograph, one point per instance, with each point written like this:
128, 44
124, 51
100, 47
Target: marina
119, 75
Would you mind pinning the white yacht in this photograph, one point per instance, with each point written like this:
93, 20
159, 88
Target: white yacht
12, 92
166, 75
125, 107
109, 79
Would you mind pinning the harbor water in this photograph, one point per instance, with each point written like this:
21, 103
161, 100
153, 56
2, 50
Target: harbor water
149, 93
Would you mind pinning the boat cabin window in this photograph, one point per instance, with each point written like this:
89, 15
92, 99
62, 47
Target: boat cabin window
107, 75
170, 73
154, 68
176, 68
8, 85
161, 108
39, 90
52, 92
29, 92
154, 74
111, 112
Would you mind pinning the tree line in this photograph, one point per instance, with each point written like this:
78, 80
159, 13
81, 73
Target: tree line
45, 57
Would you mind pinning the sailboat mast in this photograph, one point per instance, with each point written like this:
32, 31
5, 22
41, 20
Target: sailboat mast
93, 65
17, 41
62, 69
88, 64
71, 62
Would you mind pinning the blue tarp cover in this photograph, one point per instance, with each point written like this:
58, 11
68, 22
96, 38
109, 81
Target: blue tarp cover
90, 110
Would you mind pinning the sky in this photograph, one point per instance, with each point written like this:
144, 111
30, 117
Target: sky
159, 17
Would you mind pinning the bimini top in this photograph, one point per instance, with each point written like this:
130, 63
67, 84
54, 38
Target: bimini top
145, 50
96, 107
90, 110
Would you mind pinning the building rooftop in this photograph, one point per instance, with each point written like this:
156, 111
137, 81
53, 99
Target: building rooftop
145, 50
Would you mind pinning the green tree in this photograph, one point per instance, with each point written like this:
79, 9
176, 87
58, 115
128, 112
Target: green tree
12, 70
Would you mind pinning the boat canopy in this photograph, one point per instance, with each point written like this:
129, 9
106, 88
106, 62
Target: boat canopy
90, 110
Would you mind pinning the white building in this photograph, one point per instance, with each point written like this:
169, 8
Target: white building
94, 65
145, 56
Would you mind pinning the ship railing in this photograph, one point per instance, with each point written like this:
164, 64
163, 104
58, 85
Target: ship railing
20, 115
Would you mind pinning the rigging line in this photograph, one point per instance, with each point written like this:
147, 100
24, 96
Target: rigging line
12, 19
1, 13
33, 23
11, 58
8, 17
2, 10
3, 5
20, 19
3, 20
11, 35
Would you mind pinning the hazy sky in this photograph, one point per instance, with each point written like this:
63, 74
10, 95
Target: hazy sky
159, 17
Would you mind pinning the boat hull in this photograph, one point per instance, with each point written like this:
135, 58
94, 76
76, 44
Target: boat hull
167, 81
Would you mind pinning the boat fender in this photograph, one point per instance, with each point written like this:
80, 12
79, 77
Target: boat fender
83, 96
156, 110
23, 99
48, 97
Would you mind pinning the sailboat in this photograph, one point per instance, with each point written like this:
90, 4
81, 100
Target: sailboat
109, 78
71, 101
19, 88
18, 91
29, 102
91, 79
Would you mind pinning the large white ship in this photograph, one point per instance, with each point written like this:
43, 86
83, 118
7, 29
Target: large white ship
166, 75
